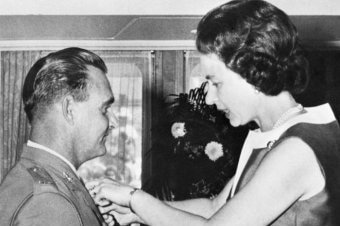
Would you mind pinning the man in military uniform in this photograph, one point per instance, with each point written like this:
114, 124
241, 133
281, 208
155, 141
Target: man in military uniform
66, 97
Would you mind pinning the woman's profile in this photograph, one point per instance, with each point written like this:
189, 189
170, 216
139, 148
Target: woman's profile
289, 171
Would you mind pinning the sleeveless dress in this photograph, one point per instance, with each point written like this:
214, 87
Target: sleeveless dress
319, 129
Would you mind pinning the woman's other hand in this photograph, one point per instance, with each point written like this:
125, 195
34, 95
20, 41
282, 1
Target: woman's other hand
122, 219
109, 220
126, 219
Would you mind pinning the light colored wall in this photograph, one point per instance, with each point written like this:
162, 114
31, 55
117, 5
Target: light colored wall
152, 7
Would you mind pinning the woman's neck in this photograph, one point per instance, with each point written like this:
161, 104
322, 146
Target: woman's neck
276, 110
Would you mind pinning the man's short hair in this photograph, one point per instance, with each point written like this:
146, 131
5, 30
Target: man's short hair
60, 73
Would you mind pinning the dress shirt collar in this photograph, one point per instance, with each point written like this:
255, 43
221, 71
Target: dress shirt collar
41, 147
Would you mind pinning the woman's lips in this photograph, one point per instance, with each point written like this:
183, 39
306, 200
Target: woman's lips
227, 112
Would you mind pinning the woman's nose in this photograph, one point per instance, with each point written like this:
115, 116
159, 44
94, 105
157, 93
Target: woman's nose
210, 98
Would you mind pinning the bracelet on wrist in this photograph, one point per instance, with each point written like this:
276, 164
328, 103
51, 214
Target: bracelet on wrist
131, 194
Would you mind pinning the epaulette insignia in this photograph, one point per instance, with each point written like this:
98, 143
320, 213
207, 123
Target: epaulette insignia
67, 177
41, 177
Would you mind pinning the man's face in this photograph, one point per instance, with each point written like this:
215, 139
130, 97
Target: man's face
93, 117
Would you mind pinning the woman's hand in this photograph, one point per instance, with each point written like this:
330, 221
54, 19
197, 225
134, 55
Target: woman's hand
122, 215
126, 219
113, 199
112, 207
123, 219
109, 220
110, 190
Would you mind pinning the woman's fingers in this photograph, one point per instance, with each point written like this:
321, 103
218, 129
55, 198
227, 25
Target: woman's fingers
114, 207
124, 219
91, 184
113, 191
94, 183
109, 219
90, 187
103, 202
100, 195
112, 198
106, 192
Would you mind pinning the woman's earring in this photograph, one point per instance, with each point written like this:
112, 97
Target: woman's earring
257, 91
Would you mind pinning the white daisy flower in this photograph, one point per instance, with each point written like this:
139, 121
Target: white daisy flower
178, 129
213, 150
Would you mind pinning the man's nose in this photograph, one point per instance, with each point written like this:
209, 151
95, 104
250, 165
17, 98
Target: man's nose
113, 121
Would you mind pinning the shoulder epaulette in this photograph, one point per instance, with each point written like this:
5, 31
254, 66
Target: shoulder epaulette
43, 182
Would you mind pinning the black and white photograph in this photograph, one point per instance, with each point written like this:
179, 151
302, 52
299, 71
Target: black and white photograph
169, 112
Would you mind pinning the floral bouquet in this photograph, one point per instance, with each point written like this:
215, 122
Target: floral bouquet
197, 148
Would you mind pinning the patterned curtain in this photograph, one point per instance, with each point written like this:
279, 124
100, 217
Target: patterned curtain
13, 124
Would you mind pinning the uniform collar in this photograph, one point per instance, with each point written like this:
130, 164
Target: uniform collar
44, 148
48, 160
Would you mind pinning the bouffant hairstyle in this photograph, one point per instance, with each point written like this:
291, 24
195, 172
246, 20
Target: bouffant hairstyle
259, 42
58, 74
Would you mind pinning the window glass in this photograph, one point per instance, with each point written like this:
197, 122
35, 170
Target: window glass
122, 161
193, 71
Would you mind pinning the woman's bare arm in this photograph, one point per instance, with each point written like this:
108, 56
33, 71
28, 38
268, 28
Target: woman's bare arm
204, 207
283, 177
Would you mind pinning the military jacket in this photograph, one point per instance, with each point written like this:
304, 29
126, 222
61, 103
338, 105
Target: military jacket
41, 189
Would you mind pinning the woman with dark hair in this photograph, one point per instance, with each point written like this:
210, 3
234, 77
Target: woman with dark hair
288, 172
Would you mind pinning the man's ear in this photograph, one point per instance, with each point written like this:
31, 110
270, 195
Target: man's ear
68, 105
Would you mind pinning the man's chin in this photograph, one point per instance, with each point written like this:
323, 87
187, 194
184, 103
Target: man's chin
99, 151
